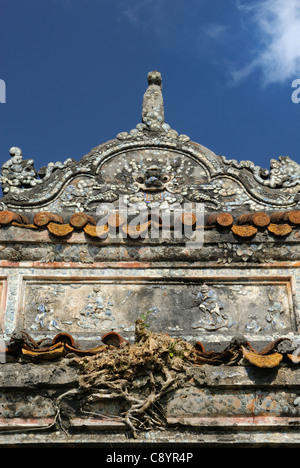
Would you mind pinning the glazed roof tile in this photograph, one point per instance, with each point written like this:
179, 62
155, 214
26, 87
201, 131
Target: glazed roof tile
244, 225
21, 344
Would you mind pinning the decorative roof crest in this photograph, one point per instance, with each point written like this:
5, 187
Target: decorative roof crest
150, 164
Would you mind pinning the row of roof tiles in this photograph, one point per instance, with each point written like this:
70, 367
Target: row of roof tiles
23, 345
246, 225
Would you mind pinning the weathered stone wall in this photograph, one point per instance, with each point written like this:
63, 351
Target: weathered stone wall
243, 405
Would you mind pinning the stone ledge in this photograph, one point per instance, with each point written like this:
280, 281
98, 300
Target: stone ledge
155, 440
60, 374
28, 376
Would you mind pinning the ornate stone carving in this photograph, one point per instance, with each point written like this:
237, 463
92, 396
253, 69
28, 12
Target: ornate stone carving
107, 303
283, 172
212, 314
18, 172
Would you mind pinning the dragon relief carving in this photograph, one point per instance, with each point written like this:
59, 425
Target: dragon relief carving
18, 174
146, 182
283, 172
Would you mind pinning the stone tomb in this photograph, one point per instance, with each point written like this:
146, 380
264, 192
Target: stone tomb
150, 236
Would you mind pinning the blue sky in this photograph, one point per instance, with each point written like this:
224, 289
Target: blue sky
76, 70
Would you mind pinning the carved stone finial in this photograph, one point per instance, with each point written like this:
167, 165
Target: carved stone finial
153, 116
153, 104
154, 78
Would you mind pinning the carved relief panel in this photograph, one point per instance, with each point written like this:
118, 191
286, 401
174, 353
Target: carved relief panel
184, 306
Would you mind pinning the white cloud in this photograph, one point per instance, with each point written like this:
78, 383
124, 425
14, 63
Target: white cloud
133, 11
215, 31
276, 24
